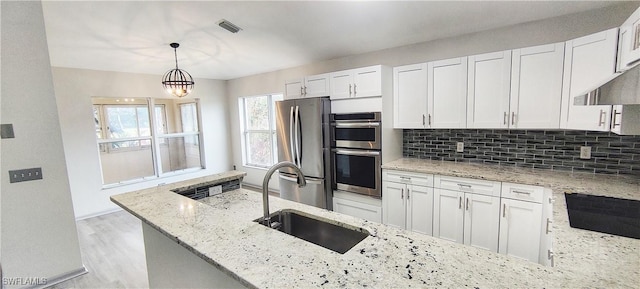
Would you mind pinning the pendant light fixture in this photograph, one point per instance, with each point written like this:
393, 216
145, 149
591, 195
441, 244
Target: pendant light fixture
177, 82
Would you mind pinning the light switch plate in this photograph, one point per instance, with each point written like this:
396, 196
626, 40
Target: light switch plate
25, 175
216, 190
459, 147
585, 152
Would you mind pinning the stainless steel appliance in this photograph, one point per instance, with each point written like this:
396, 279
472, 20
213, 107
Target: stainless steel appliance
356, 153
302, 128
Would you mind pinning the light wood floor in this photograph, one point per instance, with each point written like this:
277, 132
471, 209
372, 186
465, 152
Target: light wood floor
112, 250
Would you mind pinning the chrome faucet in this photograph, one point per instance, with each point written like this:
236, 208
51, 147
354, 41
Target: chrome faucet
265, 186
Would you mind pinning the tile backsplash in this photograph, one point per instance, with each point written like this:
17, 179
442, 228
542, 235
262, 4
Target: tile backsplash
543, 149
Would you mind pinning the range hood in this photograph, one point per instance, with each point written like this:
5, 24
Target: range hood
620, 89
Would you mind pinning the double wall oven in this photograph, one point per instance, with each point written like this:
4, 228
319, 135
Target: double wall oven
356, 153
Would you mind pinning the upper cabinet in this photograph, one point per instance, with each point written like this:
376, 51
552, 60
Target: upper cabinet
588, 61
489, 79
410, 96
536, 87
359, 82
447, 93
310, 86
629, 42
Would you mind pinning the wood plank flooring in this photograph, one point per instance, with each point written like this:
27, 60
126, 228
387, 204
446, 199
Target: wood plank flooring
112, 250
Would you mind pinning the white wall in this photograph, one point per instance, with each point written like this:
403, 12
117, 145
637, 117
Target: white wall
74, 89
552, 30
39, 236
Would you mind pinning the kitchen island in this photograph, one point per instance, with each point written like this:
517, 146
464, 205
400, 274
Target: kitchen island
220, 231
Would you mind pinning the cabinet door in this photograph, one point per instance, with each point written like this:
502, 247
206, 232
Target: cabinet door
629, 42
410, 96
520, 229
393, 204
488, 90
536, 87
367, 81
447, 93
357, 209
481, 221
341, 84
588, 61
293, 88
317, 85
448, 215
420, 209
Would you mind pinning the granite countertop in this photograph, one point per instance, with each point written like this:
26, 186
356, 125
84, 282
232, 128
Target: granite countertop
582, 258
220, 230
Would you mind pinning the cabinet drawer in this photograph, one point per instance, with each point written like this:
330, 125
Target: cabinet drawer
523, 192
408, 178
488, 188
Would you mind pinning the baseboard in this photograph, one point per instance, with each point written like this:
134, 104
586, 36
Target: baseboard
61, 278
117, 209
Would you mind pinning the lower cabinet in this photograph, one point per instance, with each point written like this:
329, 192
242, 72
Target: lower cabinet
407, 201
466, 218
357, 206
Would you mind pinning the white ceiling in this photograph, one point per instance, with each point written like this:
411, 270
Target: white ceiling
134, 36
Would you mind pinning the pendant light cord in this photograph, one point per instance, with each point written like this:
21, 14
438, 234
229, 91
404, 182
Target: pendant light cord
175, 53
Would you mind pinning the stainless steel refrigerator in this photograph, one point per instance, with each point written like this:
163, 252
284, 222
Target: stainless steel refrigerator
302, 128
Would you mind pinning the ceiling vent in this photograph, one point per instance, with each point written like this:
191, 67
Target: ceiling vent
229, 26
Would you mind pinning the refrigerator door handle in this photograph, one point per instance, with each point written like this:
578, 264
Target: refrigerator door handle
291, 120
297, 136
295, 180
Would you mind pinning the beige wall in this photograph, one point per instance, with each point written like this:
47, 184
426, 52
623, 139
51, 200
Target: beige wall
74, 89
39, 236
552, 30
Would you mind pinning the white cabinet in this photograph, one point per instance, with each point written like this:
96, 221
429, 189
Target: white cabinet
536, 87
447, 93
410, 96
625, 119
467, 211
489, 78
588, 61
407, 201
629, 42
521, 221
310, 86
359, 82
357, 206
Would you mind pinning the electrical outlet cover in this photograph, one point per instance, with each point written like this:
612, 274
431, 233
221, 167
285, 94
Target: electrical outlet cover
585, 152
216, 190
459, 147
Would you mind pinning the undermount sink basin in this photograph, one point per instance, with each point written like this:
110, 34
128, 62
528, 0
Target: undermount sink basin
315, 230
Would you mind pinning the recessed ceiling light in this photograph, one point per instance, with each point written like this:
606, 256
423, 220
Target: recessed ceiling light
229, 26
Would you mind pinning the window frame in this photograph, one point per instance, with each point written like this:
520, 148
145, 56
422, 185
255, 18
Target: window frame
245, 131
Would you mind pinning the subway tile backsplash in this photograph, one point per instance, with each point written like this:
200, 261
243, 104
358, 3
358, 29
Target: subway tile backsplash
542, 149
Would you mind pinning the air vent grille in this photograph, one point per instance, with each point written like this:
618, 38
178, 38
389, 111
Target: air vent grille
229, 26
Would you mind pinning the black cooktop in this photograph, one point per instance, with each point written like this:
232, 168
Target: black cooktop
614, 216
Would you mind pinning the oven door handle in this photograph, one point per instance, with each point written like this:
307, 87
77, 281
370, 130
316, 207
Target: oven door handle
356, 152
355, 124
295, 180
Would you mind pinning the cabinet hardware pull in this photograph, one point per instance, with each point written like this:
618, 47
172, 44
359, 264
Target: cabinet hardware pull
548, 226
513, 118
349, 89
505, 117
408, 194
601, 118
504, 210
460, 203
464, 186
429, 119
550, 256
402, 194
520, 192
305, 90
301, 90
614, 122
405, 178
467, 205
424, 120
354, 89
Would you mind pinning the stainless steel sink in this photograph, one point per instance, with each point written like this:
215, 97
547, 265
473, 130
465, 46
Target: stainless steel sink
315, 230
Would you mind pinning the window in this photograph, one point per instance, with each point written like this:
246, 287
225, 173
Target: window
132, 147
258, 125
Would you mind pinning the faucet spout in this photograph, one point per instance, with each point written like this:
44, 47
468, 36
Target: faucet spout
265, 185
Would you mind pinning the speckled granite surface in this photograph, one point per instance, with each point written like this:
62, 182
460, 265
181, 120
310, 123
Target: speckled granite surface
583, 258
220, 230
